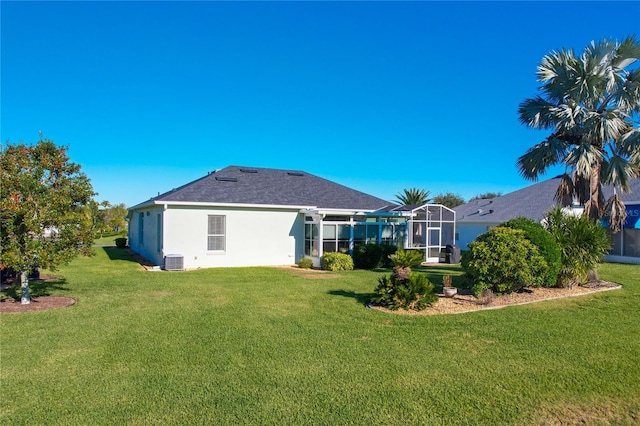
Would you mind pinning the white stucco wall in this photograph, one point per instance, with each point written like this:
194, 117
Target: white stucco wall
467, 232
149, 246
254, 237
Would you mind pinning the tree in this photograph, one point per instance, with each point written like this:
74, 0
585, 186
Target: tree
115, 217
44, 220
449, 199
413, 196
486, 196
590, 104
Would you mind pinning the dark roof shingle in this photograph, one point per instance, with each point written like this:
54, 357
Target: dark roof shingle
533, 202
261, 186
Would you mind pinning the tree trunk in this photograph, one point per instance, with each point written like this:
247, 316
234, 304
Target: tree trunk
594, 209
24, 286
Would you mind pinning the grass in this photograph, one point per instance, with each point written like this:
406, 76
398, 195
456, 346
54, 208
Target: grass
270, 346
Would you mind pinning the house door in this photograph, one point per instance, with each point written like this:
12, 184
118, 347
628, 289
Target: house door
432, 254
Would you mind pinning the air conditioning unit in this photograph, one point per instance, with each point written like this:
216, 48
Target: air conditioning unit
174, 262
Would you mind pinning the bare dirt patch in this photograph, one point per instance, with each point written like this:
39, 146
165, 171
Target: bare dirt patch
311, 274
462, 303
43, 303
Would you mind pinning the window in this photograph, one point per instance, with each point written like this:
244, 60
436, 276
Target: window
311, 239
216, 235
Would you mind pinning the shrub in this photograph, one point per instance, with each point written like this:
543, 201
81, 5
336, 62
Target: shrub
547, 246
372, 256
305, 263
414, 292
121, 242
333, 261
503, 260
582, 245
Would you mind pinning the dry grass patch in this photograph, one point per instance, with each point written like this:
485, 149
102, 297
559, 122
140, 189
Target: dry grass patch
604, 412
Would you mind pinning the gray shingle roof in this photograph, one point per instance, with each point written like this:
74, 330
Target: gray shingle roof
260, 186
532, 202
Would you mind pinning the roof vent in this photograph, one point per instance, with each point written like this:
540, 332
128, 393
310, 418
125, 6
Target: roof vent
295, 174
226, 179
248, 170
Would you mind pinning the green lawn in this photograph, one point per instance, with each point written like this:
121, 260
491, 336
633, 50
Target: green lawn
267, 346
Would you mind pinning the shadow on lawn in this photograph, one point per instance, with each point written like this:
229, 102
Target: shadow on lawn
37, 287
362, 298
127, 254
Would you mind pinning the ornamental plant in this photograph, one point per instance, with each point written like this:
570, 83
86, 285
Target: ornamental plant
413, 292
333, 261
305, 263
503, 260
582, 245
403, 260
547, 245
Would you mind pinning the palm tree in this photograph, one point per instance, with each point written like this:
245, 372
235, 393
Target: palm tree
413, 196
591, 105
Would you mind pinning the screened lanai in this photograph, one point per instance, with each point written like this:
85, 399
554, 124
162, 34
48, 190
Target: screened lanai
429, 227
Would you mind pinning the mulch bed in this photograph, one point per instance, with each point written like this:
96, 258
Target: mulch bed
43, 303
463, 303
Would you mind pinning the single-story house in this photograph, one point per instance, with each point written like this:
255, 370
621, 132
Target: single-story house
247, 216
533, 202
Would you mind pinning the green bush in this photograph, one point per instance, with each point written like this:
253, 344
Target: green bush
305, 263
503, 260
547, 245
414, 292
121, 242
333, 261
372, 256
582, 245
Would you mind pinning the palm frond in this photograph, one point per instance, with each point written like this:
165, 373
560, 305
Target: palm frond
583, 158
627, 53
617, 171
628, 93
616, 211
413, 196
536, 113
540, 157
581, 188
564, 193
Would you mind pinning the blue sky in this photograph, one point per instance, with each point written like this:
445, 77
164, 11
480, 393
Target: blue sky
378, 96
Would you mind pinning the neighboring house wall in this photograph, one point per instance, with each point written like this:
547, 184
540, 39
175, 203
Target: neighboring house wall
467, 232
252, 237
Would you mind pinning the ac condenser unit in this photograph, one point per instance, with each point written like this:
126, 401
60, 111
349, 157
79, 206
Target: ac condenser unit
174, 262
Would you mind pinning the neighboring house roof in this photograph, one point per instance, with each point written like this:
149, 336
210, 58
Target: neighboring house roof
533, 202
273, 187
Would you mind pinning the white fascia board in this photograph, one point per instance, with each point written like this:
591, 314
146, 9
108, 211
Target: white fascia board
340, 211
237, 205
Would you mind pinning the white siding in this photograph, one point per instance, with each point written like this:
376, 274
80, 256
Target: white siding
254, 237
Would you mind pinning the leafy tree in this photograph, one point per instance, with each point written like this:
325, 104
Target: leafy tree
590, 103
449, 199
486, 196
115, 217
413, 196
43, 209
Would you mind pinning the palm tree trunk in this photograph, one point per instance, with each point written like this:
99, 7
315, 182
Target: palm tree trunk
594, 209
